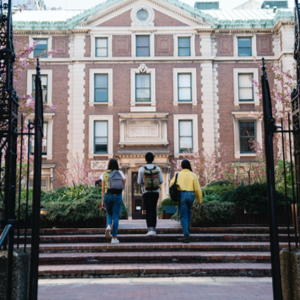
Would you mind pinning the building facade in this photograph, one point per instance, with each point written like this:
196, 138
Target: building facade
150, 75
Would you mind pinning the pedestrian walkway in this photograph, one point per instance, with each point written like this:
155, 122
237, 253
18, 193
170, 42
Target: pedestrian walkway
190, 288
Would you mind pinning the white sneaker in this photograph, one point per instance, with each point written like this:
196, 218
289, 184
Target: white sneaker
107, 231
115, 241
153, 232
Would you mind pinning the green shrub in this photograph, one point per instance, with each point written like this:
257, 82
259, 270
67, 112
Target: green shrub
166, 202
217, 187
212, 197
219, 183
253, 198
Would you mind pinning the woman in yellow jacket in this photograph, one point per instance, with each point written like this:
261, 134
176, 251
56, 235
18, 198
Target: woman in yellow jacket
189, 188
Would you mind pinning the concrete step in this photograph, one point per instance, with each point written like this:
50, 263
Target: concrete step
152, 257
159, 270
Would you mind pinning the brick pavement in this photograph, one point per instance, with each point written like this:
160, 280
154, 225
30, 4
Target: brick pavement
190, 288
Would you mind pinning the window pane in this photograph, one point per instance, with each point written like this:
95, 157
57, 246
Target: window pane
41, 41
245, 145
44, 141
142, 95
185, 128
246, 94
44, 84
184, 42
247, 129
102, 43
184, 94
142, 80
142, 41
40, 47
101, 52
244, 42
101, 95
101, 140
101, 148
142, 51
101, 128
101, 81
244, 51
184, 80
185, 143
244, 80
184, 52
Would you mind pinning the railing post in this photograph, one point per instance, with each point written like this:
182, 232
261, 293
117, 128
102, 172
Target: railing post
270, 128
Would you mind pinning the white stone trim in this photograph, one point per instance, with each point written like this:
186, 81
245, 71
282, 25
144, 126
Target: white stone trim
206, 44
143, 109
92, 84
193, 72
244, 116
44, 37
133, 43
110, 135
177, 118
94, 36
208, 107
216, 104
77, 46
76, 108
236, 72
133, 72
138, 23
49, 73
192, 44
244, 35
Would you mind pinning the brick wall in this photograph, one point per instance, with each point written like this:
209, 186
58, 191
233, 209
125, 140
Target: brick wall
20, 42
61, 44
224, 45
164, 45
121, 45
264, 44
161, 19
197, 45
120, 20
87, 46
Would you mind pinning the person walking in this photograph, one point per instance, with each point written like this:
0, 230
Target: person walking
150, 178
189, 187
113, 182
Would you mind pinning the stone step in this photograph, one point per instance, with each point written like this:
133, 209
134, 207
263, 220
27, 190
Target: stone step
167, 238
158, 270
178, 230
152, 257
132, 247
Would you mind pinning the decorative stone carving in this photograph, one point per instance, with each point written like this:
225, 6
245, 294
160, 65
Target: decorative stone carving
143, 68
143, 129
148, 16
99, 164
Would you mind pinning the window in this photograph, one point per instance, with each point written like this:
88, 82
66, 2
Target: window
143, 88
44, 184
184, 87
247, 132
142, 45
101, 88
101, 47
40, 48
100, 137
244, 46
44, 81
185, 135
184, 46
44, 140
246, 87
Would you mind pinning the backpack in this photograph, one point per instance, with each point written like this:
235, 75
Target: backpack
174, 192
151, 180
115, 183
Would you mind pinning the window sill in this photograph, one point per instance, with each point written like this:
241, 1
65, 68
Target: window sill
109, 155
47, 157
100, 103
239, 155
133, 103
143, 109
246, 102
184, 102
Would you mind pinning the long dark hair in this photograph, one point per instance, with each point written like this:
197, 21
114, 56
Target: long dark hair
185, 164
113, 165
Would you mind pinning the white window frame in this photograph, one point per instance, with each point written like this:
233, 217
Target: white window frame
133, 72
48, 117
253, 44
236, 73
193, 72
244, 116
192, 44
133, 44
188, 117
109, 119
93, 45
49, 73
44, 37
92, 86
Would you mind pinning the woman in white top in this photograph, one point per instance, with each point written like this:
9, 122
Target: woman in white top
112, 200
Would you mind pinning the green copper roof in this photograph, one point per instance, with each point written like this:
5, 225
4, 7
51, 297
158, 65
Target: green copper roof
69, 19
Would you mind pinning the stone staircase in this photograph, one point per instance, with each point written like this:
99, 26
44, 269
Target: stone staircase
213, 251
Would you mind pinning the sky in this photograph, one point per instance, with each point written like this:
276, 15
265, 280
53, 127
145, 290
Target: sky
85, 4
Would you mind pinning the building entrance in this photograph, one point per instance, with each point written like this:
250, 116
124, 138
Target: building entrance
137, 198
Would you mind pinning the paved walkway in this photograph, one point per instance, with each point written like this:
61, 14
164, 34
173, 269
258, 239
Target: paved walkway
183, 288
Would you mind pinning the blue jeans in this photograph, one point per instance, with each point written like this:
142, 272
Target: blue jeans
185, 213
113, 205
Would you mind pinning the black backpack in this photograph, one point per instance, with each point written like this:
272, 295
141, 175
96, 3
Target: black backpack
174, 192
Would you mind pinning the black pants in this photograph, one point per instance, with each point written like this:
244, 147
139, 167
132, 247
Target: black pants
150, 202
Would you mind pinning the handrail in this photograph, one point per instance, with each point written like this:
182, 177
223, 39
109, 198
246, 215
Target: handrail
4, 234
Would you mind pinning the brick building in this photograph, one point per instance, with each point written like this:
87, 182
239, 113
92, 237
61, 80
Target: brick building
158, 75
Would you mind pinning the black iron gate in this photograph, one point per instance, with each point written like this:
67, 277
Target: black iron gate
20, 161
